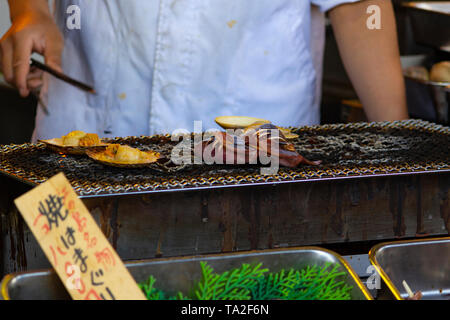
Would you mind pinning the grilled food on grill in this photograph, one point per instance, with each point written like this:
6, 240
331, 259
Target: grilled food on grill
82, 139
73, 138
287, 133
240, 122
440, 72
356, 150
246, 146
123, 156
75, 142
90, 139
237, 122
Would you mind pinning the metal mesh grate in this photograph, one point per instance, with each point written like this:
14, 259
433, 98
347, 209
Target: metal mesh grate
347, 150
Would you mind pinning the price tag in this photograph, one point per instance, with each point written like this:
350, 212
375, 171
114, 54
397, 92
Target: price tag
84, 260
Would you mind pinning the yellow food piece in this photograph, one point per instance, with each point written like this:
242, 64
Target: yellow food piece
70, 141
110, 151
80, 138
440, 72
127, 154
288, 134
76, 134
90, 139
73, 138
237, 122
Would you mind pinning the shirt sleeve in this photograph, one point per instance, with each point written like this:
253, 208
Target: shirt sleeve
325, 5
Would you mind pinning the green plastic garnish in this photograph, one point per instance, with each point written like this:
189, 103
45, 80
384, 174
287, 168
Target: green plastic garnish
251, 282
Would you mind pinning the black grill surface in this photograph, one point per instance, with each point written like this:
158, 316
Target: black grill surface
354, 150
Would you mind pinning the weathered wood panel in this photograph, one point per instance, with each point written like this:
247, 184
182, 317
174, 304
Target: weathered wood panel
232, 219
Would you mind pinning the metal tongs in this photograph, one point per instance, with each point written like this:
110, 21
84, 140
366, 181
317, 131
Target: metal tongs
61, 76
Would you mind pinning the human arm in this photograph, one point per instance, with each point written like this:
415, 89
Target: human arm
33, 30
372, 58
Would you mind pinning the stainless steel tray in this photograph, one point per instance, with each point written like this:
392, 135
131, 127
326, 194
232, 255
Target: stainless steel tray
423, 264
179, 274
439, 92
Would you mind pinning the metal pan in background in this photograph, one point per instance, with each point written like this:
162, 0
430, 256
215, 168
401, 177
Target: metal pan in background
423, 264
437, 94
430, 21
180, 274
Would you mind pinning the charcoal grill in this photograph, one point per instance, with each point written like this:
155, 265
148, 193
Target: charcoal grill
347, 151
170, 210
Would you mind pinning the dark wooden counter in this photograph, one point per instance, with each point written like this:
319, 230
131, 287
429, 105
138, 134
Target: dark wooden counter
327, 213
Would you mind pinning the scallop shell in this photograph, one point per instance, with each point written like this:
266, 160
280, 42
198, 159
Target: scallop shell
237, 122
57, 145
100, 157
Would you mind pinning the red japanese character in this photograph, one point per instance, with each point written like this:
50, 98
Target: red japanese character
81, 221
90, 242
60, 251
93, 293
46, 228
55, 261
106, 258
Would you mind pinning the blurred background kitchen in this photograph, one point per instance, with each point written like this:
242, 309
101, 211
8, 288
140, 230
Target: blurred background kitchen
424, 40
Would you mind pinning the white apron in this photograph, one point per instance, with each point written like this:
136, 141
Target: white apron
160, 65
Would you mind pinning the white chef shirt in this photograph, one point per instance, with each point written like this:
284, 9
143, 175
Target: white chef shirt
159, 65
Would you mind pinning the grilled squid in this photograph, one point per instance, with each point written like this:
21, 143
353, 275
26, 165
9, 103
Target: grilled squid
258, 143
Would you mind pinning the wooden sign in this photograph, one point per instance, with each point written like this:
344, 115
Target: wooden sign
84, 260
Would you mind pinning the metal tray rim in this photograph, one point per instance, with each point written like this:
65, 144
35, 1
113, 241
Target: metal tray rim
442, 85
86, 195
373, 259
416, 6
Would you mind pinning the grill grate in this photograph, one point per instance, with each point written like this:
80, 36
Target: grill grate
354, 150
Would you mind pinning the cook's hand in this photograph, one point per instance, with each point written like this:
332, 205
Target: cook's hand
30, 32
